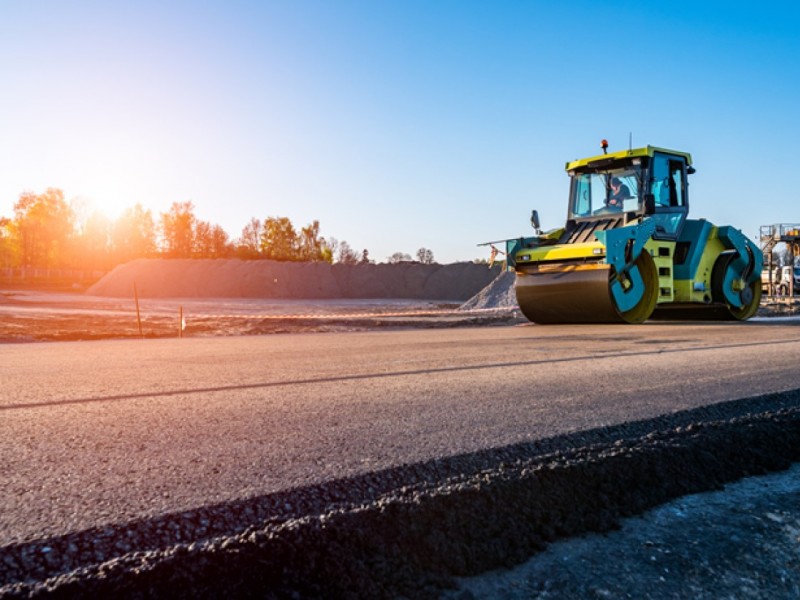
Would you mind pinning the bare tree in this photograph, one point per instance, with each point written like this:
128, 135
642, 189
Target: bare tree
398, 257
210, 241
425, 256
346, 255
248, 245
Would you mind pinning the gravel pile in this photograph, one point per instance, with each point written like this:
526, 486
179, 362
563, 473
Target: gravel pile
498, 294
409, 530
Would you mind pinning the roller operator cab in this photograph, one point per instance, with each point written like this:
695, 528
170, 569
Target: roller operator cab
628, 251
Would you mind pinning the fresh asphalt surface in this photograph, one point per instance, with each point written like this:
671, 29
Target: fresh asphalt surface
95, 433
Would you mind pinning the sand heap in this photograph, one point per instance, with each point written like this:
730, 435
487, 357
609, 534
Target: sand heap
498, 294
231, 278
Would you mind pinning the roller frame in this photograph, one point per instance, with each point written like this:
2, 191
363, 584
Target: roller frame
743, 270
623, 248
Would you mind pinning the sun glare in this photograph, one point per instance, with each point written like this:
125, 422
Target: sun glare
113, 182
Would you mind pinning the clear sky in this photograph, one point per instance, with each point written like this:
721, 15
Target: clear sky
397, 124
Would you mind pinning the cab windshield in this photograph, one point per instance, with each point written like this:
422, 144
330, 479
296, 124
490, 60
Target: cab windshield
607, 192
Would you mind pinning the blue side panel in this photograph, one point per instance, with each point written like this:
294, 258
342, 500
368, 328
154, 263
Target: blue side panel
695, 233
747, 264
511, 250
616, 241
515, 245
750, 256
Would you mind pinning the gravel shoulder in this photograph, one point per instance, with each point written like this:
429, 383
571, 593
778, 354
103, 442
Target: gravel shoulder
741, 542
39, 317
29, 316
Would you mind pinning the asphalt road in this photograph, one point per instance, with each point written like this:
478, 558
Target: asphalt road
106, 432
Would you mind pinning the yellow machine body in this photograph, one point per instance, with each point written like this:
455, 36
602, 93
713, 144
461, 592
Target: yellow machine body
629, 253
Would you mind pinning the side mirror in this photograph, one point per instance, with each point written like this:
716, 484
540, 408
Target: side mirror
649, 204
535, 220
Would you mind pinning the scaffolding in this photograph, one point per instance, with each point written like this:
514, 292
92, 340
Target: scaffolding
770, 236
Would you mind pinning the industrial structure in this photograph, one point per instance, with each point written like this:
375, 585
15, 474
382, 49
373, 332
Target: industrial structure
780, 280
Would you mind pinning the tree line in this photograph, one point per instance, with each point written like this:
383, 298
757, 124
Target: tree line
46, 231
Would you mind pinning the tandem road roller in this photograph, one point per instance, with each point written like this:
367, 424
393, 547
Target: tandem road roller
628, 252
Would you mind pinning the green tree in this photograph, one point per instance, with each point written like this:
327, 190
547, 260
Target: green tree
310, 244
43, 224
278, 239
178, 230
220, 242
9, 249
133, 235
92, 243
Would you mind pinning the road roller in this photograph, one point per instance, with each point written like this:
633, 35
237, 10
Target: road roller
628, 251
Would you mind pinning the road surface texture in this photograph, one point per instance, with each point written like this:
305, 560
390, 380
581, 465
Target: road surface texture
369, 464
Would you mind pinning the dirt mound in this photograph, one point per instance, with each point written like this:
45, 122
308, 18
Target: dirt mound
222, 278
498, 294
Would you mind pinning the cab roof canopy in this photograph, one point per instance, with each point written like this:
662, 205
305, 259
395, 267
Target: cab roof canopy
603, 160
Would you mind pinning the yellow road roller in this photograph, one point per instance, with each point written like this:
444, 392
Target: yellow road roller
628, 252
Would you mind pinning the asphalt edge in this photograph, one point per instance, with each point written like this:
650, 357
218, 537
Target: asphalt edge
413, 540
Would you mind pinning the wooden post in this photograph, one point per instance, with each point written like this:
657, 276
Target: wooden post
138, 316
180, 323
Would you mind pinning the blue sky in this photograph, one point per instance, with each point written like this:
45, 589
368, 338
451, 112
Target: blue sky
396, 124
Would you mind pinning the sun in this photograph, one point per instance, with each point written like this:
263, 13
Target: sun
112, 183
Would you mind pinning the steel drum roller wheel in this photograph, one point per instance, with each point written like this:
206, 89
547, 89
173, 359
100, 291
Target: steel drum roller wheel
645, 307
581, 293
751, 296
751, 308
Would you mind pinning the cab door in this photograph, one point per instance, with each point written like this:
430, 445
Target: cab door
669, 189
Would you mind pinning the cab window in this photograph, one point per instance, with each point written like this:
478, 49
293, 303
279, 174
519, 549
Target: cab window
667, 183
668, 187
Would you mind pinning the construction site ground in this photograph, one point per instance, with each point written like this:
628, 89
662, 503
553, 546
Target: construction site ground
30, 316
741, 541
39, 316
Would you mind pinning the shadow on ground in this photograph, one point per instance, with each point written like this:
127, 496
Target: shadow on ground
409, 531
